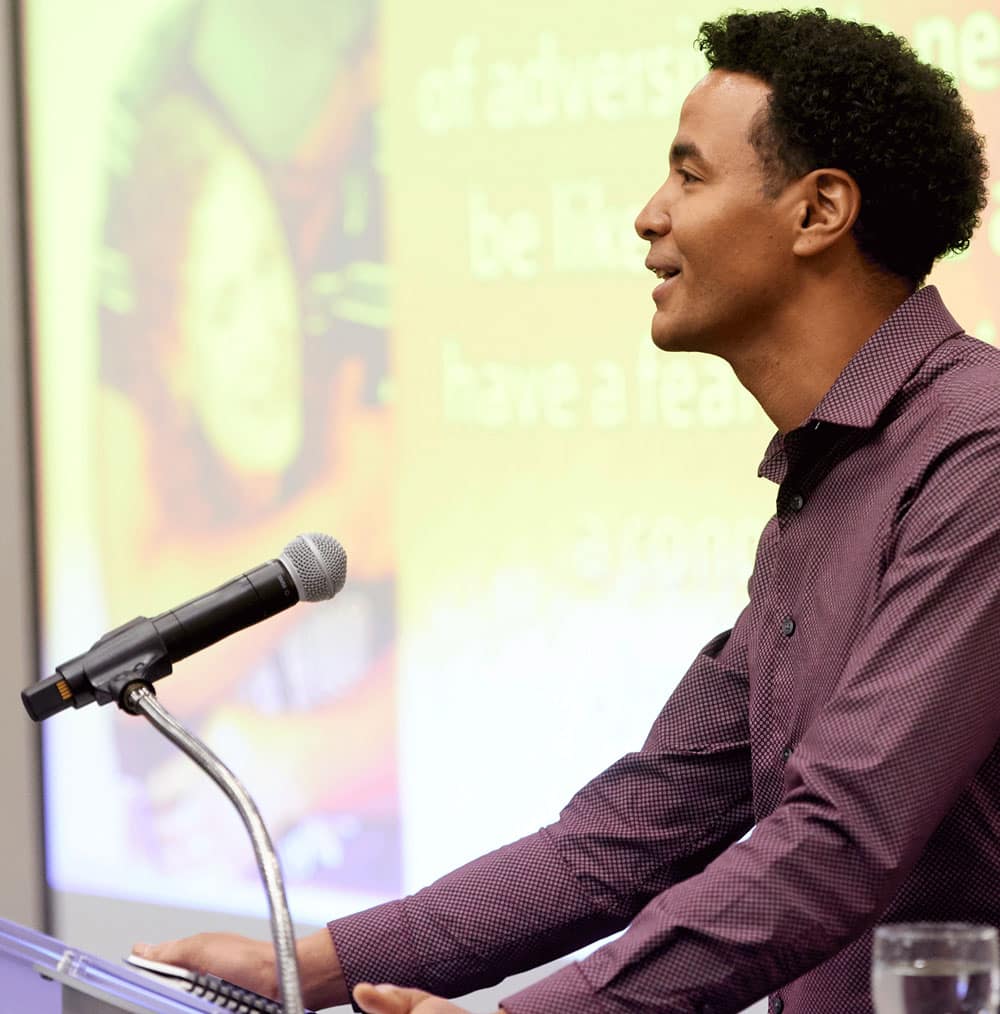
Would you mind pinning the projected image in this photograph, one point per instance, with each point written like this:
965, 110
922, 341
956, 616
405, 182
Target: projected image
545, 517
240, 399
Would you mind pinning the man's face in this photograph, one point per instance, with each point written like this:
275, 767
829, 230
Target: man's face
721, 247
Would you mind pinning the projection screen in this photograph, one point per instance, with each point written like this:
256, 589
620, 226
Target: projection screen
369, 269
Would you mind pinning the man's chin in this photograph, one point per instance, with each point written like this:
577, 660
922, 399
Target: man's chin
670, 340
670, 336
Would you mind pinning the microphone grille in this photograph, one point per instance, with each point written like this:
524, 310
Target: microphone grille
317, 564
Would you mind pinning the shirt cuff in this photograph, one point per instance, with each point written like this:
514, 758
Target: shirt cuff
374, 946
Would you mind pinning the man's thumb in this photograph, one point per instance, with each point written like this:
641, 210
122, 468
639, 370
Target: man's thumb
387, 999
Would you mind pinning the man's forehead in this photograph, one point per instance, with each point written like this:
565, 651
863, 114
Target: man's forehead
718, 112
730, 83
726, 92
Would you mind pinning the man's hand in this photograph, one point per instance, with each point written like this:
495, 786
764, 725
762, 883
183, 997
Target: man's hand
251, 964
248, 963
387, 999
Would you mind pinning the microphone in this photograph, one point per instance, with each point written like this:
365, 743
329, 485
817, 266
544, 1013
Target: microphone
311, 568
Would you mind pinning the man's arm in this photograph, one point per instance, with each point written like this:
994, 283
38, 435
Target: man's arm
915, 717
651, 820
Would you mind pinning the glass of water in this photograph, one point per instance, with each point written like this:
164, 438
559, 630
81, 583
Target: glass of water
936, 968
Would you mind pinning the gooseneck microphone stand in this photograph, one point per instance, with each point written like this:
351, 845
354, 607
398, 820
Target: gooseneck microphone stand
139, 699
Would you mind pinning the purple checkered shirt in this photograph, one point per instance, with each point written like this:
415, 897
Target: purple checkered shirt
852, 715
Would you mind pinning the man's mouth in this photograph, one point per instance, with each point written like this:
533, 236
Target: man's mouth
665, 273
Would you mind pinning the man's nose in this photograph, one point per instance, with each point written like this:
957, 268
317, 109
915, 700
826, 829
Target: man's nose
654, 219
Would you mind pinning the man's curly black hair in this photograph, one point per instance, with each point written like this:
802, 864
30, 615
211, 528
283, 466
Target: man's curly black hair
852, 97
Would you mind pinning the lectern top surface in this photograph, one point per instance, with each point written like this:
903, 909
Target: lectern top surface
26, 952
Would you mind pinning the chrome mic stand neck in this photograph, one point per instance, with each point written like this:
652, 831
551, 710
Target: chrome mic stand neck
139, 699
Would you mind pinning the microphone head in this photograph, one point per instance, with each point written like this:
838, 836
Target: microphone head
317, 565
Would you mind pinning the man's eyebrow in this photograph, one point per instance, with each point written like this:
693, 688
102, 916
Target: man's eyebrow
681, 150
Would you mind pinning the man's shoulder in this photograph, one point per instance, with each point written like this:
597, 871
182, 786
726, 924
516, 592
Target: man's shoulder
961, 379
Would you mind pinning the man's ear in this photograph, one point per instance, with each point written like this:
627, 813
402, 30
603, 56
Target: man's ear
829, 201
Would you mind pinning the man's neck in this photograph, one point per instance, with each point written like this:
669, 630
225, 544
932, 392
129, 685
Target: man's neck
790, 372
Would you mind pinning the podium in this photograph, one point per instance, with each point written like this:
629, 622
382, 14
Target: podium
41, 975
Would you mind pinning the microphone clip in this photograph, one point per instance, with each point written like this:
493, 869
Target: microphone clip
133, 652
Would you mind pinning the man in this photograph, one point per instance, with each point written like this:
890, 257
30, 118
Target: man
851, 715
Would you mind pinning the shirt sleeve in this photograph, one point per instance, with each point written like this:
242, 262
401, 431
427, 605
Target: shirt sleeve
652, 819
914, 717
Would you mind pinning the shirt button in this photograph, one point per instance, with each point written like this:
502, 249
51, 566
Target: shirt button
786, 753
797, 502
777, 1005
788, 626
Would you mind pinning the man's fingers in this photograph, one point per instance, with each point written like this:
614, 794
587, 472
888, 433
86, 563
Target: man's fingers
171, 952
246, 962
190, 952
386, 999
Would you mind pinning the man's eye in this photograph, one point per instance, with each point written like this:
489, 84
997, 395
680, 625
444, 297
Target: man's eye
686, 177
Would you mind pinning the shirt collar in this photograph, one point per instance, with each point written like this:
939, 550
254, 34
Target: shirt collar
877, 371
